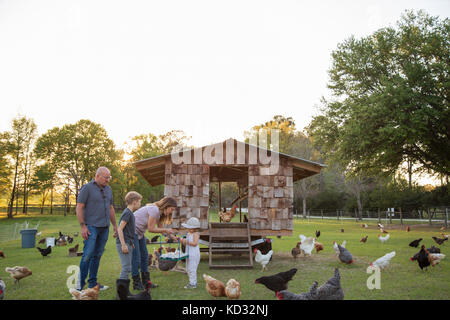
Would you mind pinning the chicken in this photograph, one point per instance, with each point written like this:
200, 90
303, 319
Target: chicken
227, 216
345, 256
330, 290
383, 262
383, 231
336, 248
317, 233
384, 239
415, 243
342, 230
296, 250
2, 289
18, 273
263, 259
277, 282
73, 251
154, 239
364, 239
86, 294
445, 235
75, 234
69, 239
434, 258
408, 229
439, 241
2, 254
45, 252
38, 234
318, 246
307, 244
380, 225
215, 287
422, 258
42, 241
233, 289
364, 225
124, 293
433, 249
61, 242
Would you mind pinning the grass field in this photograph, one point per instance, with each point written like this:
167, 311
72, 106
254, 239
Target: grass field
402, 280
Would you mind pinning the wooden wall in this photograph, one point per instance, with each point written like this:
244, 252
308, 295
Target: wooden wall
270, 198
188, 184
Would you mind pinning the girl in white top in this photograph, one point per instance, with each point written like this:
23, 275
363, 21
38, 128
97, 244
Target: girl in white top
193, 250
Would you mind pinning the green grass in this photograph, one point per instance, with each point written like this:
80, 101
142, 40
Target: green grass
402, 280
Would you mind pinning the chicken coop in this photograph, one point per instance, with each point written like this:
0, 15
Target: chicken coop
265, 178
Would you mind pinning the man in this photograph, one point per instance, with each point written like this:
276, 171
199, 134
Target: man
95, 211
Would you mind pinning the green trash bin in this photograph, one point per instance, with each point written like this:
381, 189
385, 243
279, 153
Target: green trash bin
28, 238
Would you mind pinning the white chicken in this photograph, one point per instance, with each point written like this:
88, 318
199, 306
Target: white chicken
383, 262
336, 248
435, 258
263, 259
384, 239
307, 244
380, 225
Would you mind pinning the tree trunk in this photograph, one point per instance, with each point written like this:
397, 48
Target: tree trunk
51, 202
304, 208
13, 193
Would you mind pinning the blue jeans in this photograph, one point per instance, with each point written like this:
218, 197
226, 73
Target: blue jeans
92, 252
140, 256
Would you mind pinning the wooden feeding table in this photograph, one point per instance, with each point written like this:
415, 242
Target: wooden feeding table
270, 196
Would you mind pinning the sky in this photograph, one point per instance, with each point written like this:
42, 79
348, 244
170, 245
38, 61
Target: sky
210, 68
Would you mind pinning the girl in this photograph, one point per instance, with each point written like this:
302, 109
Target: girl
193, 249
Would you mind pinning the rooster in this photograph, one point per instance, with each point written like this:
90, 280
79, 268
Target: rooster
383, 239
422, 258
233, 289
277, 282
307, 244
18, 273
263, 259
215, 287
227, 216
87, 294
330, 290
364, 239
384, 261
45, 252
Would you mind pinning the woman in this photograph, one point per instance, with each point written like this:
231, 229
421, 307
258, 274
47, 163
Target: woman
153, 217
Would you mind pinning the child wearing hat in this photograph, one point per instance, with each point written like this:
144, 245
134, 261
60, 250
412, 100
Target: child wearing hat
193, 249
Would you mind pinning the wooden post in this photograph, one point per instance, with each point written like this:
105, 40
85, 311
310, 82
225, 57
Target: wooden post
429, 216
220, 199
446, 217
390, 217
379, 215
337, 214
240, 206
401, 216
356, 215
321, 212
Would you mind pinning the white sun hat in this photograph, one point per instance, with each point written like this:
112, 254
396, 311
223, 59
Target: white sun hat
192, 223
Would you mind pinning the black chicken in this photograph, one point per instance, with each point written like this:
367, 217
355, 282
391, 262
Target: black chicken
415, 243
277, 282
439, 241
317, 233
422, 258
264, 247
154, 239
433, 249
69, 239
45, 252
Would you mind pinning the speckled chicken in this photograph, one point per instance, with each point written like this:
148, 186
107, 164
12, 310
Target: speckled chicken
330, 290
215, 287
344, 255
233, 289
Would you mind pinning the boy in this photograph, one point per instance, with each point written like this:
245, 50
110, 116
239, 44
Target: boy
125, 239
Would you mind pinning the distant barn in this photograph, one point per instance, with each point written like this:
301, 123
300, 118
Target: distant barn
270, 194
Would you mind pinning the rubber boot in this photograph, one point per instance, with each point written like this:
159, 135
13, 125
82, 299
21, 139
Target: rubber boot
146, 278
137, 284
124, 285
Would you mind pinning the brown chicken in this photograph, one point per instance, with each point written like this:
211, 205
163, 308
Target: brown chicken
233, 289
42, 240
364, 239
18, 273
296, 251
87, 294
383, 231
227, 216
73, 251
318, 246
214, 287
408, 229
439, 241
2, 254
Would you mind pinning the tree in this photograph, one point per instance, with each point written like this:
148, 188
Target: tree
18, 146
42, 183
5, 167
390, 99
